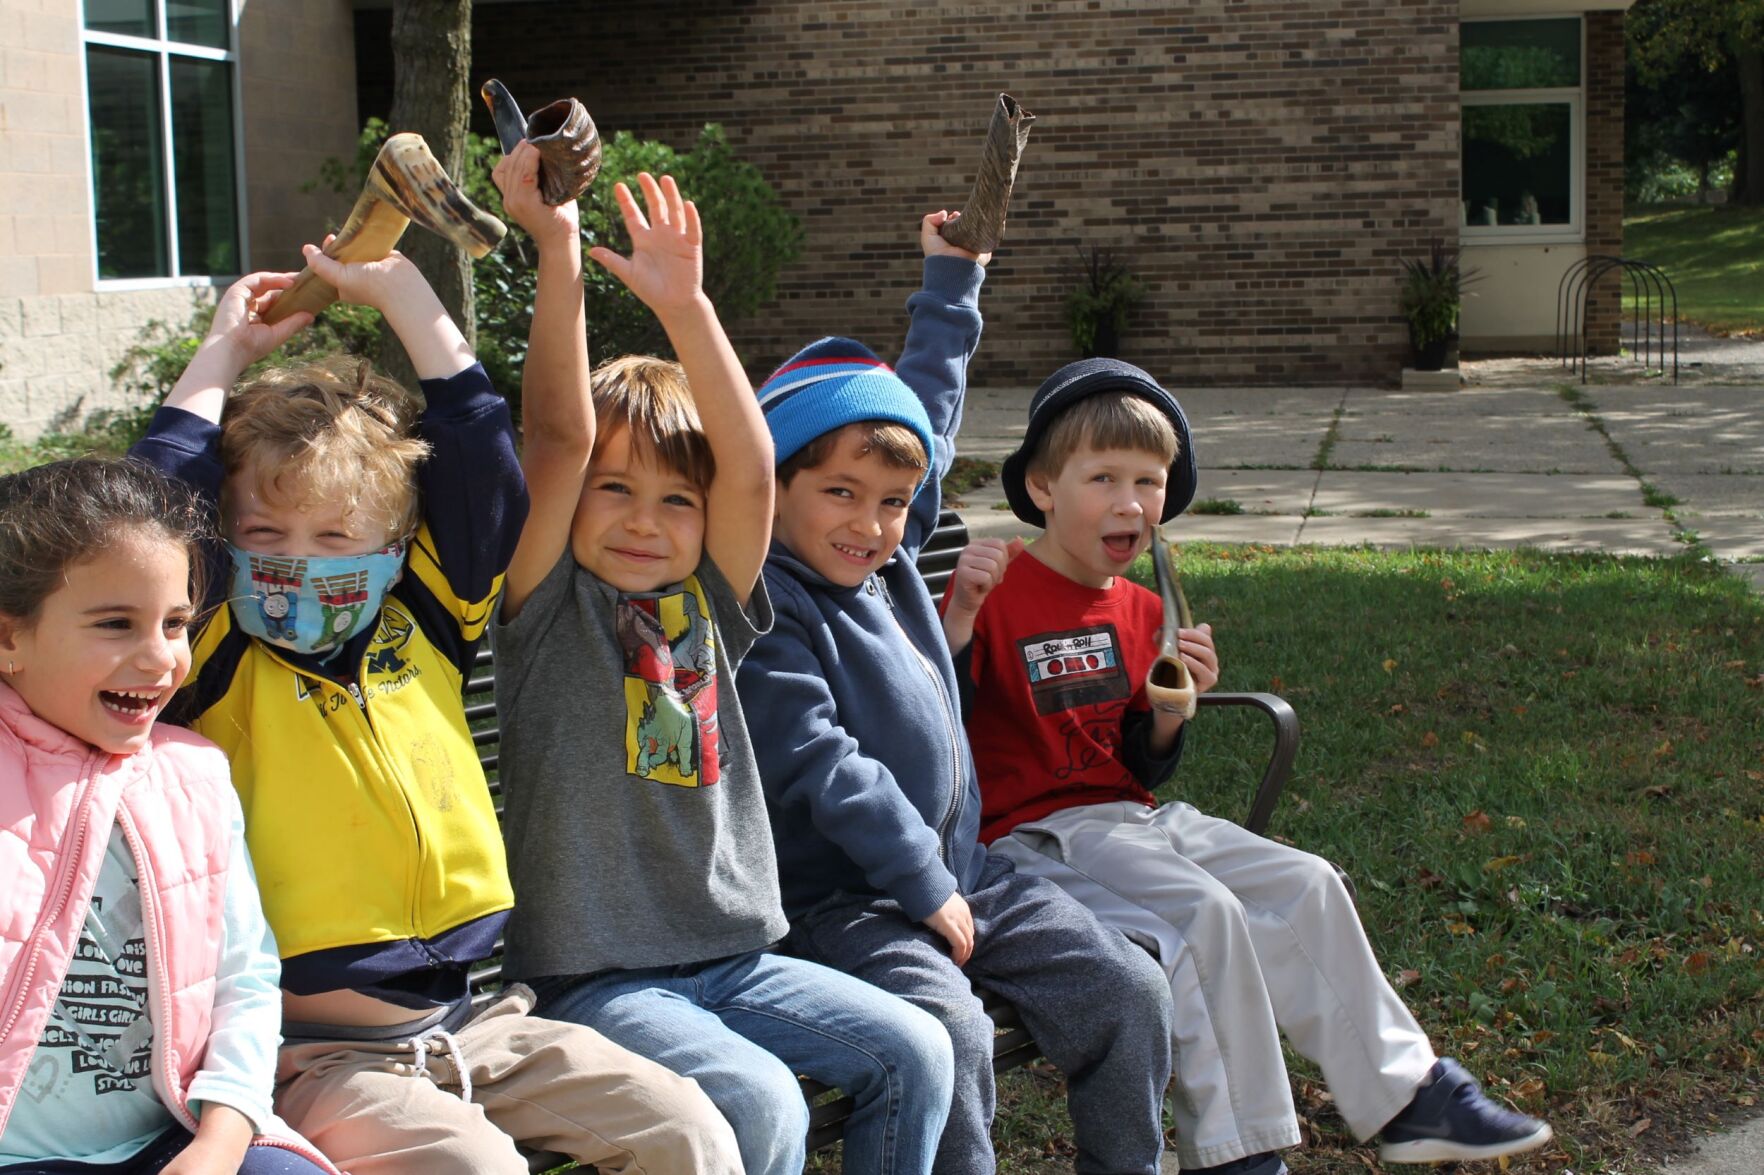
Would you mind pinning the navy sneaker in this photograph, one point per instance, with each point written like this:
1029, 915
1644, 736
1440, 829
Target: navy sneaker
1451, 1118
1266, 1163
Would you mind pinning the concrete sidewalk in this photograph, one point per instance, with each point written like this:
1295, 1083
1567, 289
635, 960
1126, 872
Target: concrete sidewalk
1483, 467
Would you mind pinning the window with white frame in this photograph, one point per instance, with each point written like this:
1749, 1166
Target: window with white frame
162, 100
1523, 127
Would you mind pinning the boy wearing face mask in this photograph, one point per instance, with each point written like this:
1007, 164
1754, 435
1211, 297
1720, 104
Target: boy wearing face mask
365, 535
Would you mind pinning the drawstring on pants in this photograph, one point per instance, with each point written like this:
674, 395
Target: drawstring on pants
449, 1043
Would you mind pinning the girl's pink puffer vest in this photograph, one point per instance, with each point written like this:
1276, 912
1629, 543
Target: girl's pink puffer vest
59, 799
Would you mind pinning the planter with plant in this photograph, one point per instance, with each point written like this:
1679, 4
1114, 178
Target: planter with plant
1097, 309
1430, 295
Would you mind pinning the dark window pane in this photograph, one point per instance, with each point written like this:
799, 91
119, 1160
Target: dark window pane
128, 161
201, 143
1520, 54
133, 17
202, 147
198, 22
1518, 164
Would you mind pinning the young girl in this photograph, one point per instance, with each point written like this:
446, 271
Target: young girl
139, 1009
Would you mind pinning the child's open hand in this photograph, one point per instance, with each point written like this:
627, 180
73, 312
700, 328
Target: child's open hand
955, 922
517, 177
932, 242
666, 265
238, 323
979, 569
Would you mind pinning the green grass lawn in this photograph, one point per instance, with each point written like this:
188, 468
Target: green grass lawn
1714, 255
1546, 775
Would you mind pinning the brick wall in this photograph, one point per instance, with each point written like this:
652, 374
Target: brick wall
1604, 171
1261, 164
298, 58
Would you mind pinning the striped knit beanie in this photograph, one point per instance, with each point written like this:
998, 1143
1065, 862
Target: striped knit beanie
831, 384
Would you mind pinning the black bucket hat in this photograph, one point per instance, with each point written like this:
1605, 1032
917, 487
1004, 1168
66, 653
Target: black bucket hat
1066, 387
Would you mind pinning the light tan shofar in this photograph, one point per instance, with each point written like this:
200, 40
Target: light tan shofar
980, 227
406, 183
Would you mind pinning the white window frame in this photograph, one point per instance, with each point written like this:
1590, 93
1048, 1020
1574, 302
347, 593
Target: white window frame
164, 49
1574, 97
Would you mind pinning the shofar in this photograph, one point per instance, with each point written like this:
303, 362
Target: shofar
980, 227
406, 183
569, 146
1170, 686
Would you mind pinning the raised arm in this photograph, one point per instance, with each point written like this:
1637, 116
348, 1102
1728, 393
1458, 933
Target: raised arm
236, 339
399, 291
557, 409
666, 270
943, 333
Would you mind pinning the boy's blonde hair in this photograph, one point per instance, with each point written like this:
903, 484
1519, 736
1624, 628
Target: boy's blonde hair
333, 430
1107, 420
651, 398
897, 445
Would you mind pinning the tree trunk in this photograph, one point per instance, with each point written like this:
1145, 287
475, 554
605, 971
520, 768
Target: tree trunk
431, 60
1748, 175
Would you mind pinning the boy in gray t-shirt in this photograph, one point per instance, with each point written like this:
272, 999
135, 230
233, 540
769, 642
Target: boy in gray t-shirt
646, 888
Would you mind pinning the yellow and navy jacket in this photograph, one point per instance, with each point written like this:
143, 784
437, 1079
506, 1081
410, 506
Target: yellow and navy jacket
366, 810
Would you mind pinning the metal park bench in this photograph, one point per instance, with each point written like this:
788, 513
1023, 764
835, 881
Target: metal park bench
1012, 1045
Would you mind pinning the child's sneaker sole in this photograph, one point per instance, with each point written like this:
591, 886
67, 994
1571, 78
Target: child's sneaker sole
1444, 1150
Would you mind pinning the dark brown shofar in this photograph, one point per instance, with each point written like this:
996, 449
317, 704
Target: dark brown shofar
980, 227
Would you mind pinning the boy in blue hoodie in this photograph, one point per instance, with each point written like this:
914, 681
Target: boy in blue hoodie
853, 707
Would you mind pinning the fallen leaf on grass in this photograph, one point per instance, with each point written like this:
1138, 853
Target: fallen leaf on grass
1637, 858
1640, 1127
1530, 1089
1458, 926
1477, 821
1496, 864
1398, 708
1430, 739
1389, 664
1697, 962
1407, 977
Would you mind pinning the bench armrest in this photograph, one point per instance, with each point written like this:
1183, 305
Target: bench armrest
1286, 739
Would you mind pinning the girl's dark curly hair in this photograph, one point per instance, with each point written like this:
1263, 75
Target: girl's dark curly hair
63, 513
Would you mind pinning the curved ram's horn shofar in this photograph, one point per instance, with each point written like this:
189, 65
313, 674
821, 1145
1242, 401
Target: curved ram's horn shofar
981, 225
1170, 686
404, 184
569, 146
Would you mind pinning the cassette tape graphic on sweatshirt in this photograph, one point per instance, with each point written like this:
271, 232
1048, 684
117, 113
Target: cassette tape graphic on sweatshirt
1076, 668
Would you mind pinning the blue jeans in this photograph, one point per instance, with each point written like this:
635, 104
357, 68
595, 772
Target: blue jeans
744, 1027
1098, 1006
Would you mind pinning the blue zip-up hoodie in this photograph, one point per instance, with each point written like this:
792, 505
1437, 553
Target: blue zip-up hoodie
852, 700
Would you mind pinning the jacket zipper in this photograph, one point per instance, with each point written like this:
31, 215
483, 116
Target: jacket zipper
955, 749
159, 989
15, 1000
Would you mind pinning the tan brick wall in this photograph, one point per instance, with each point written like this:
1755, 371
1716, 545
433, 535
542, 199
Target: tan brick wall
1261, 164
59, 335
45, 196
299, 94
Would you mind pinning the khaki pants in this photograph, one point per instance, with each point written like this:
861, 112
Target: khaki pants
397, 1107
1256, 938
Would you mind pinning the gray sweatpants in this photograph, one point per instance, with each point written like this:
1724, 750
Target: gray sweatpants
1256, 938
1098, 1006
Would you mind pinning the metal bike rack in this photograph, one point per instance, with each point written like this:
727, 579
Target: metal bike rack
1650, 289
